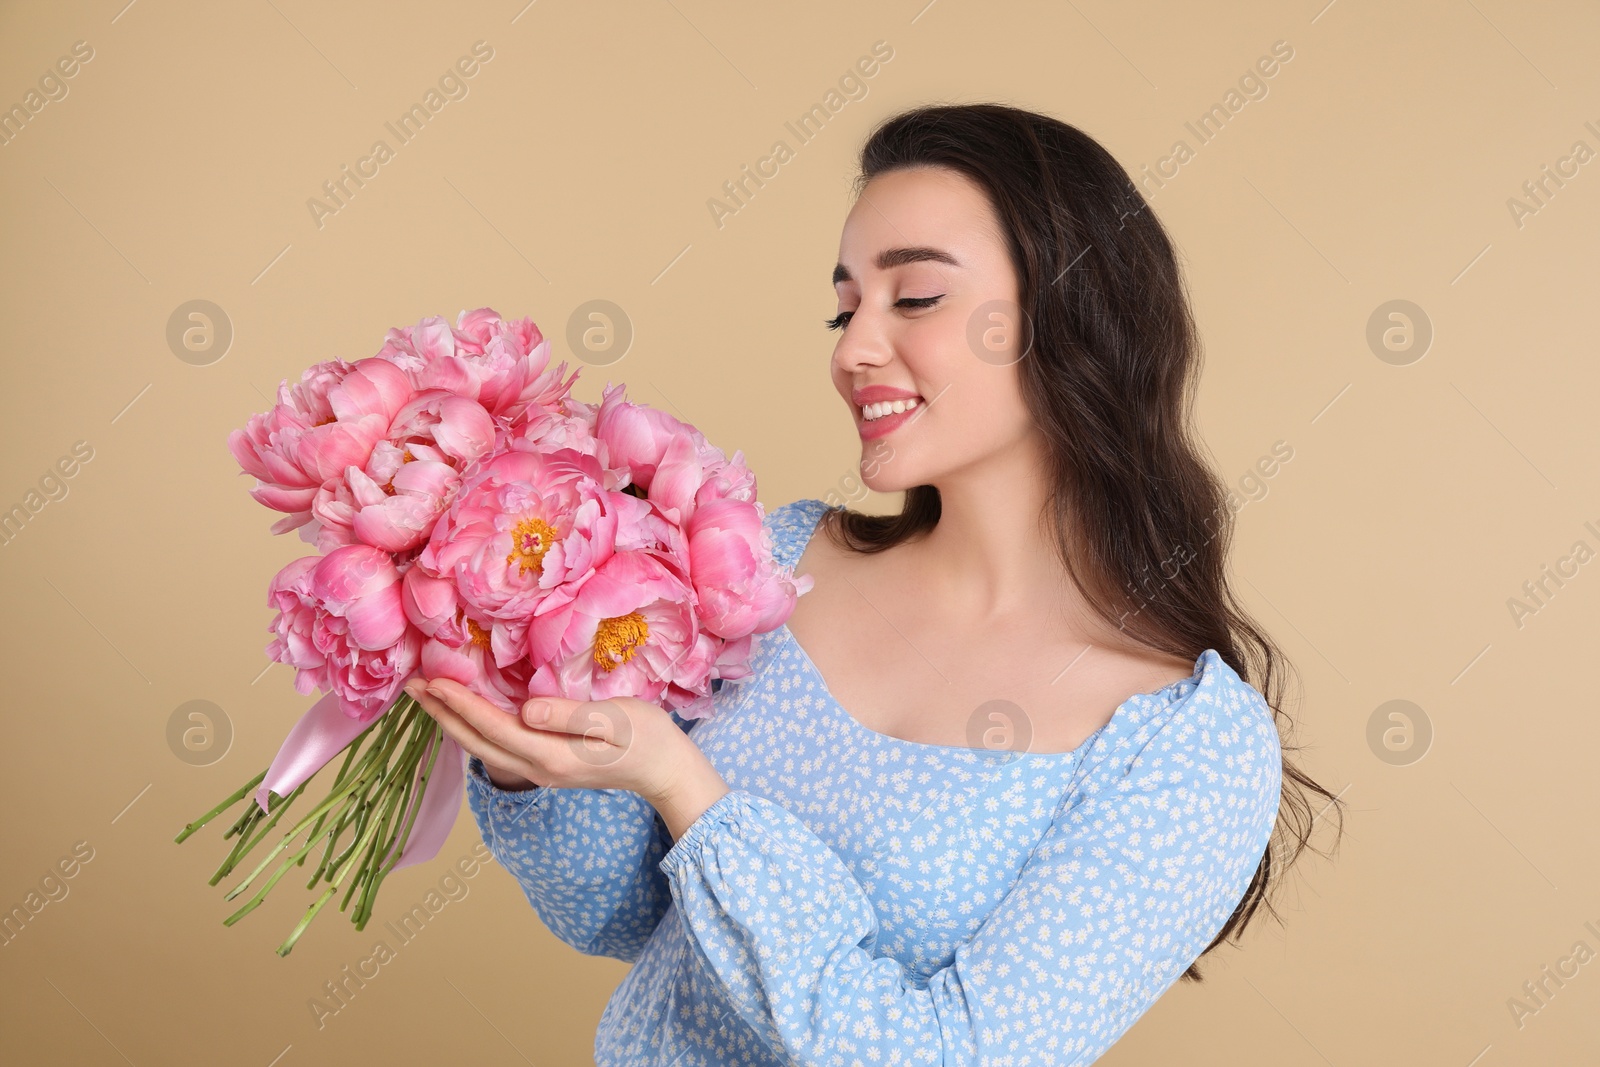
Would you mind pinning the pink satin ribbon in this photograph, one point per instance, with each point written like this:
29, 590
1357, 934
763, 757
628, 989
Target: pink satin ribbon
325, 730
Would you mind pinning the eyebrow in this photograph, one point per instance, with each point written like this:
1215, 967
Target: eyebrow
897, 257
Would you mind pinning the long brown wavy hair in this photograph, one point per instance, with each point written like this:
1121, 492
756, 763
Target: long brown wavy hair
1140, 521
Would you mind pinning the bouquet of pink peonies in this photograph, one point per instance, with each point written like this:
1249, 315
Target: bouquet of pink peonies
475, 521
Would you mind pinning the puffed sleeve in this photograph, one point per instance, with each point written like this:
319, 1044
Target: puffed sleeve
587, 859
1142, 866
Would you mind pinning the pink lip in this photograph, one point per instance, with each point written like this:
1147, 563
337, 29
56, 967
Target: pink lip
877, 394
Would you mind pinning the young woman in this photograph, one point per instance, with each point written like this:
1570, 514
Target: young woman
1001, 779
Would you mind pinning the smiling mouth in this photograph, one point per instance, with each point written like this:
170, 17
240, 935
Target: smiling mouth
873, 412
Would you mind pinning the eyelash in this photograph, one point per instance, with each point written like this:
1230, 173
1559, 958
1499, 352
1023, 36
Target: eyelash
838, 321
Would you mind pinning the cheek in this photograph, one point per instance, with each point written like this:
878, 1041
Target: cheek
986, 400
840, 377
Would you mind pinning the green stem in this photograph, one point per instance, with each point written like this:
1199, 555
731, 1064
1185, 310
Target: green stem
383, 811
246, 818
372, 795
256, 900
394, 810
283, 869
381, 756
344, 769
359, 850
300, 927
361, 814
271, 822
252, 817
329, 862
378, 791
436, 738
214, 812
338, 876
435, 734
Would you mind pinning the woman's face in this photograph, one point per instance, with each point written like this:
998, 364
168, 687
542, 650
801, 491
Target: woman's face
928, 305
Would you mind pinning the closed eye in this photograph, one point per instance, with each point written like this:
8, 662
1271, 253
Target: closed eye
839, 321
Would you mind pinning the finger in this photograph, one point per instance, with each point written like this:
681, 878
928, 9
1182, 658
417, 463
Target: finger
552, 714
471, 739
460, 703
492, 755
460, 699
592, 721
553, 755
596, 733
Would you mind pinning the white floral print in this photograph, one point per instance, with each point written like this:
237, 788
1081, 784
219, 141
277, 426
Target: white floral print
860, 899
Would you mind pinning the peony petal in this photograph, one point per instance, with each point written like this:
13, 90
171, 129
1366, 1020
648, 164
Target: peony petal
377, 620
465, 430
439, 660
374, 387
429, 602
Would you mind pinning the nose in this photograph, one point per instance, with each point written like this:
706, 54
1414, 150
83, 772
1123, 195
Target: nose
863, 344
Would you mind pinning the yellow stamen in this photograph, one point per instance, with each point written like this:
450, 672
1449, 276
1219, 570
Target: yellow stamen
405, 457
616, 639
530, 540
480, 636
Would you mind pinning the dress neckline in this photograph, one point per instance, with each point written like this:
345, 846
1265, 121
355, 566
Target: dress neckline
1202, 665
1118, 716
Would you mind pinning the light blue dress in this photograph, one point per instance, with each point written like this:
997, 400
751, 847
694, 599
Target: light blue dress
860, 899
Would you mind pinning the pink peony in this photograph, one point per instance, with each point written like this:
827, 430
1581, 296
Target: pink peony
394, 502
524, 527
502, 365
341, 624
456, 645
739, 588
731, 661
570, 427
671, 461
635, 436
730, 480
629, 631
396, 516
478, 522
329, 421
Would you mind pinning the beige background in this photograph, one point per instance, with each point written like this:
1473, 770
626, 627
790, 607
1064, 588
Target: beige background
1419, 499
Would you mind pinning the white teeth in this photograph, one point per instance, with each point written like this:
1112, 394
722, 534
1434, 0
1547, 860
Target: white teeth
887, 407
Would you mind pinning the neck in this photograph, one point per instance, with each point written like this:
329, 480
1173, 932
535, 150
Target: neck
990, 556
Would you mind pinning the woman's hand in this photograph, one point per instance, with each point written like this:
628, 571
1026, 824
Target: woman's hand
618, 743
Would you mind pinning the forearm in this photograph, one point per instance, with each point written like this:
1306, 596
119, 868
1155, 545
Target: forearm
507, 781
586, 859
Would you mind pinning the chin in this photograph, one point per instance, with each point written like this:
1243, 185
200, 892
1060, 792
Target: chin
886, 482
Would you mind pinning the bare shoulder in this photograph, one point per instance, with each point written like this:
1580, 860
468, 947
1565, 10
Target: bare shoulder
822, 554
907, 665
830, 564
1145, 670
